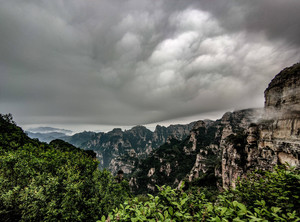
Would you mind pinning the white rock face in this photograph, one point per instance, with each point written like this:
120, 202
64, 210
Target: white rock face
151, 172
166, 168
285, 158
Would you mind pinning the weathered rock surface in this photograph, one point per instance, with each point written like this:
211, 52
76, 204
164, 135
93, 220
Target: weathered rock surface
282, 97
275, 138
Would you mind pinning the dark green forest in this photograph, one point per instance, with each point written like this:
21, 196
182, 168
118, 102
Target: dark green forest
52, 182
59, 182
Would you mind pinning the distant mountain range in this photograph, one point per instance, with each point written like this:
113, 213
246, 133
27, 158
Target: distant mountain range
49, 130
47, 134
116, 145
46, 137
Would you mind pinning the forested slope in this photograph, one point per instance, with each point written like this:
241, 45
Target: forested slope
55, 182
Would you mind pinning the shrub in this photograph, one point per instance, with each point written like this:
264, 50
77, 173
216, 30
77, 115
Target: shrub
263, 196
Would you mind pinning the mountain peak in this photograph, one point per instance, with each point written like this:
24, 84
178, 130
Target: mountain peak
282, 97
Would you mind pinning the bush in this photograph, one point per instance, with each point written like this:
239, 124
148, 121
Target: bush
280, 187
263, 196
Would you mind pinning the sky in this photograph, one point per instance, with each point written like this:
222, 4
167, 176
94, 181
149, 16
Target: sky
96, 64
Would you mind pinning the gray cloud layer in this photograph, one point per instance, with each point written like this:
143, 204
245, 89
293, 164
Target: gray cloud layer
137, 61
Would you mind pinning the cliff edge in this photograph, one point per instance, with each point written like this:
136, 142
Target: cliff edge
282, 97
272, 140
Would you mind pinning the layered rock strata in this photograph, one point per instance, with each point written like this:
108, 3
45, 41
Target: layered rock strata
274, 139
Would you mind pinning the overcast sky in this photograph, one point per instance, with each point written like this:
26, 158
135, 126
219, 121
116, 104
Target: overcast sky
129, 62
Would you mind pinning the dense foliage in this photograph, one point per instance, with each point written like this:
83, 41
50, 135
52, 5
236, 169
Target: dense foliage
267, 196
55, 182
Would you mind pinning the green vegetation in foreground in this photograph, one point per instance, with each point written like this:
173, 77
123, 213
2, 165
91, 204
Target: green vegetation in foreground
263, 196
55, 182
59, 182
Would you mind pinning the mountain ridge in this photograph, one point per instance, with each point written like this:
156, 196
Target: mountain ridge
114, 146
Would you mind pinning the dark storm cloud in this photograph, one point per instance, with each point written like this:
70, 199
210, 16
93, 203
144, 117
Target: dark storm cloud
137, 61
276, 18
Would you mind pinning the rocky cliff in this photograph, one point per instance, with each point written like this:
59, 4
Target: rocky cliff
218, 152
274, 139
282, 97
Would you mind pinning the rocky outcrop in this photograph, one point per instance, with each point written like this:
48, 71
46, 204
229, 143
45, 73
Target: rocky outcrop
119, 149
223, 155
274, 139
162, 133
282, 97
281, 133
